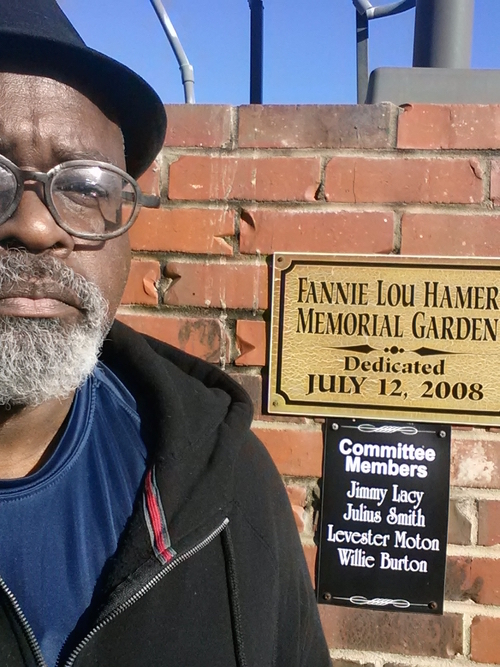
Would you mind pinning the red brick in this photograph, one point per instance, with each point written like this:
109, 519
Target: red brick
407, 634
150, 180
297, 497
294, 451
401, 179
252, 384
297, 494
459, 526
315, 126
270, 230
255, 179
299, 516
456, 126
450, 234
217, 285
203, 125
311, 554
141, 283
201, 337
266, 417
476, 579
475, 463
489, 522
485, 640
251, 342
184, 230
495, 183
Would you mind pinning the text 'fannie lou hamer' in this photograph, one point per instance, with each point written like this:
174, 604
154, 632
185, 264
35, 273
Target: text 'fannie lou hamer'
434, 294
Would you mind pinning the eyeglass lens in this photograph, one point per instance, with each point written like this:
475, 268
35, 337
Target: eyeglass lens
90, 199
86, 199
8, 189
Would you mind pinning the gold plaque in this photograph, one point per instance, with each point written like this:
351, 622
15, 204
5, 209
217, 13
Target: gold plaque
408, 338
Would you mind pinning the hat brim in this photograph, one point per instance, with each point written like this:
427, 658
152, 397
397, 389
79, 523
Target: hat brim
121, 93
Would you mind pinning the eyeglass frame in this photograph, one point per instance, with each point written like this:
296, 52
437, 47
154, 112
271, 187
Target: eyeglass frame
46, 178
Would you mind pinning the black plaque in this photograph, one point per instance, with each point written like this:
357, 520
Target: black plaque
384, 515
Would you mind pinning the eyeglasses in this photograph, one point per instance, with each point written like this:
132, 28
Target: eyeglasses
88, 199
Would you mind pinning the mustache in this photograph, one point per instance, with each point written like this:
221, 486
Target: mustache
44, 276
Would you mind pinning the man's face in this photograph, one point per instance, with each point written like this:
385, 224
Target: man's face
58, 293
43, 123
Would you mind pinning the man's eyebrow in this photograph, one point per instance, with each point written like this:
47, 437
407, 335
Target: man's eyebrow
62, 154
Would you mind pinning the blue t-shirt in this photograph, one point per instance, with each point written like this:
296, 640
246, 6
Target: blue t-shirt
60, 525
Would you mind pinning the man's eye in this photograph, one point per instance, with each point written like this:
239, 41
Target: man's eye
85, 194
85, 190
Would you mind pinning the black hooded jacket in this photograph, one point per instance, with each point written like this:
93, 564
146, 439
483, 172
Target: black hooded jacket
209, 571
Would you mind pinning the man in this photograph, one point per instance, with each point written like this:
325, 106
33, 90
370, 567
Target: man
142, 524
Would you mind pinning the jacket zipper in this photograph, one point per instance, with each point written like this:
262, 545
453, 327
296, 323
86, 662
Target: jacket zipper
140, 593
28, 632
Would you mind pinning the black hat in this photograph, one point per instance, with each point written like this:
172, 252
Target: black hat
37, 38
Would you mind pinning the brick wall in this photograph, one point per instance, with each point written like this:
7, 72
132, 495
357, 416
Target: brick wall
238, 184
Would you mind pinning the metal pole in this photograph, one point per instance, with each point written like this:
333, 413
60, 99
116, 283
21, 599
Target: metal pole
362, 55
256, 50
187, 72
443, 33
366, 7
390, 10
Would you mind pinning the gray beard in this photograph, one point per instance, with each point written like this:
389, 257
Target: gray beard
47, 358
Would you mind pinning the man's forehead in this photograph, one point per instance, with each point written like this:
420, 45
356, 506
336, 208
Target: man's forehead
38, 114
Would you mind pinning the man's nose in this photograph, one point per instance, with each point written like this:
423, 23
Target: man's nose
33, 228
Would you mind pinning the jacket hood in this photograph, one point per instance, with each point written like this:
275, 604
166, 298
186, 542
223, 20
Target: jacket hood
232, 586
194, 420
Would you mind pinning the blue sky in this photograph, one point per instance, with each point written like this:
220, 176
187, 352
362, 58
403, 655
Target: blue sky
309, 51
